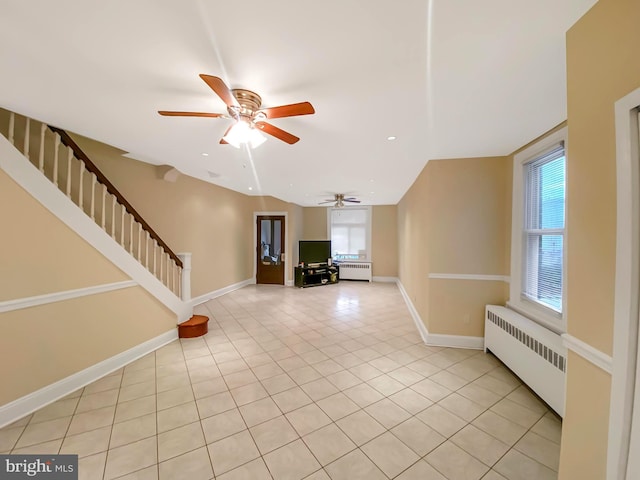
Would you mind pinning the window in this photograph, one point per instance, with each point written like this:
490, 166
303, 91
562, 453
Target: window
538, 231
350, 233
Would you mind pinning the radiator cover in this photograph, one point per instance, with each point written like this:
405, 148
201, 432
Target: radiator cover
355, 271
534, 353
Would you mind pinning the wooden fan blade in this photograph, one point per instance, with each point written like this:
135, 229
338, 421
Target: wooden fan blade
190, 114
303, 108
217, 85
277, 132
222, 140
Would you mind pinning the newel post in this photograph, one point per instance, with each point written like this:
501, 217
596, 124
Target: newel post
186, 276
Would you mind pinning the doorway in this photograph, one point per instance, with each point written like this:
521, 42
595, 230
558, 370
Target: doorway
270, 248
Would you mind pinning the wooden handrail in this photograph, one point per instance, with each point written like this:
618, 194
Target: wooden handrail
80, 155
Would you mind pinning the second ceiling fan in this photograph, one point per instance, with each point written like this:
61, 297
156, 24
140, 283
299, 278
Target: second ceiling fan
340, 200
243, 106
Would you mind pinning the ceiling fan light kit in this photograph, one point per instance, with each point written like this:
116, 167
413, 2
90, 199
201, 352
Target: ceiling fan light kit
243, 107
242, 133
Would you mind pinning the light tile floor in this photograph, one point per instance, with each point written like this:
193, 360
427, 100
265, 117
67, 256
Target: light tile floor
323, 383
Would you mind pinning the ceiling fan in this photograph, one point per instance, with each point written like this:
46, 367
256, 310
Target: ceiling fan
243, 107
340, 199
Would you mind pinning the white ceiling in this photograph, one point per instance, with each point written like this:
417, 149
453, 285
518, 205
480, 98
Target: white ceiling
449, 78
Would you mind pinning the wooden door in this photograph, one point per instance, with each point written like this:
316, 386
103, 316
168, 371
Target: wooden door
270, 249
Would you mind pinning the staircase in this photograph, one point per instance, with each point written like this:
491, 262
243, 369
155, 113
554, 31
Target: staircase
53, 155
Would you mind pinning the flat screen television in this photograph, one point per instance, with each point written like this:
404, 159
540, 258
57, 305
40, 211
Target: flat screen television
314, 251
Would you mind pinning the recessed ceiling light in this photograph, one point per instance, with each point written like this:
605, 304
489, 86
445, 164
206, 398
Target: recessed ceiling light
372, 193
391, 138
291, 184
205, 154
250, 188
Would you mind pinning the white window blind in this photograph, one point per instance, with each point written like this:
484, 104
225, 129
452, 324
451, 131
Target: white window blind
543, 232
350, 233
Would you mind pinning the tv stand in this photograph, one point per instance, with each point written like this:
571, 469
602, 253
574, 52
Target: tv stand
309, 276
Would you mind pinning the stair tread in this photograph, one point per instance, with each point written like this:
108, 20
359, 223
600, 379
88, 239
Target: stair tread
195, 320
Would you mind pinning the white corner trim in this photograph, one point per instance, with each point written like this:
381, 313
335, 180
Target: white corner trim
289, 283
17, 409
221, 291
589, 353
26, 302
627, 277
455, 341
465, 276
385, 279
422, 329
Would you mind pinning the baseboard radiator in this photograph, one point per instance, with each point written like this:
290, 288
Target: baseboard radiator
532, 352
355, 271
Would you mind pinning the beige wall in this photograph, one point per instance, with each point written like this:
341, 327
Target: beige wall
34, 241
384, 240
41, 345
586, 421
384, 235
602, 66
215, 224
454, 220
315, 223
44, 344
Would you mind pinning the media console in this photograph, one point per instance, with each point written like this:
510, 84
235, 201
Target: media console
318, 275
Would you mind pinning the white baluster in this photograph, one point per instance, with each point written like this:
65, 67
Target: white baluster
104, 201
113, 217
94, 179
123, 211
146, 250
56, 144
180, 283
131, 234
139, 240
81, 186
12, 127
155, 247
43, 129
172, 276
69, 159
161, 261
27, 134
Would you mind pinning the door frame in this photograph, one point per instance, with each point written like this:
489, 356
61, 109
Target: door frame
287, 254
627, 282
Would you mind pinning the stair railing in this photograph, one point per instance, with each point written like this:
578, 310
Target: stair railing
64, 163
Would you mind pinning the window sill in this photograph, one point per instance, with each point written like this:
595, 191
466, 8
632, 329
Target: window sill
540, 315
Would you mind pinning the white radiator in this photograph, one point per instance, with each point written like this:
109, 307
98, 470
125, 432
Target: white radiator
355, 271
532, 352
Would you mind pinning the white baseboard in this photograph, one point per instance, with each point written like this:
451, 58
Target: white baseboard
455, 341
422, 329
385, 279
435, 339
221, 291
17, 409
